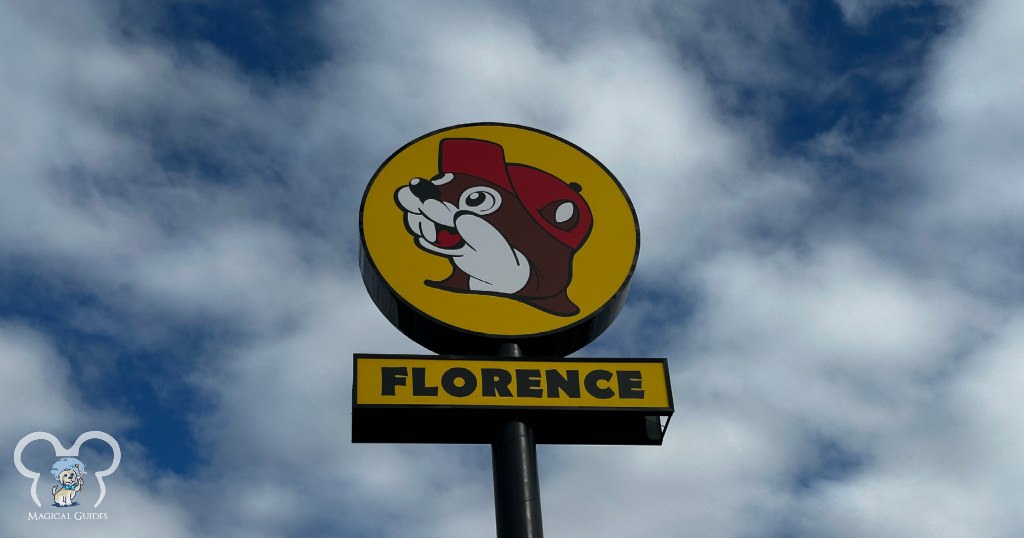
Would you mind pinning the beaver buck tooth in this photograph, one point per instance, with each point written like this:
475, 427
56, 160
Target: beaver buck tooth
422, 226
428, 231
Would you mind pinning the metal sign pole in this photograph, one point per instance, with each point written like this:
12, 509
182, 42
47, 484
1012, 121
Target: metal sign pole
516, 485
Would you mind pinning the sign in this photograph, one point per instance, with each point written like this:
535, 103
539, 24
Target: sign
600, 384
412, 398
489, 241
479, 235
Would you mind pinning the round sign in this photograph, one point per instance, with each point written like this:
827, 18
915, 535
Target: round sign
486, 234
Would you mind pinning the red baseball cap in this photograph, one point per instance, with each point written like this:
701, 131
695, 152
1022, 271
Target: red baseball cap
477, 158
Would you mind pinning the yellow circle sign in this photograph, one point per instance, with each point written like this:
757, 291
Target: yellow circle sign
497, 231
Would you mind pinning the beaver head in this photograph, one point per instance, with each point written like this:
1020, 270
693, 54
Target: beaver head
508, 229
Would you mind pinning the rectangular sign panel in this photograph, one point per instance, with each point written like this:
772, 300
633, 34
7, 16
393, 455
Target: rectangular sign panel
446, 399
390, 380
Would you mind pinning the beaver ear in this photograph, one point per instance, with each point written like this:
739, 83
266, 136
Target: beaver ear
561, 214
564, 212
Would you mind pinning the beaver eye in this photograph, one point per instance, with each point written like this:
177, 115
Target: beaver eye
480, 200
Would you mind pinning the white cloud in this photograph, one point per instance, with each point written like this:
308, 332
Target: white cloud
954, 471
970, 155
30, 376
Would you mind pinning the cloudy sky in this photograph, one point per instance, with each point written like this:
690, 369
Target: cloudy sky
832, 214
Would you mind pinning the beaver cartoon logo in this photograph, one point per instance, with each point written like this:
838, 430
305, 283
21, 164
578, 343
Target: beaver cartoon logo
479, 235
69, 473
508, 229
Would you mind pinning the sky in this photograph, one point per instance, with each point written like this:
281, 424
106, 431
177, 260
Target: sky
830, 202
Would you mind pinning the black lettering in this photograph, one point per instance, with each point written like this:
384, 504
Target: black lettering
590, 382
419, 383
630, 384
528, 384
391, 377
468, 385
568, 385
495, 382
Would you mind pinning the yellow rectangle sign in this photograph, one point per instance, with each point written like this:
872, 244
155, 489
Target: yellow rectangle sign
489, 382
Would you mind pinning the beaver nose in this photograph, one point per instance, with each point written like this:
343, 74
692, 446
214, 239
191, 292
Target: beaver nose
424, 190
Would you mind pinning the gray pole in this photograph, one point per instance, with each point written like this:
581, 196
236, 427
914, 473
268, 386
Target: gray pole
516, 486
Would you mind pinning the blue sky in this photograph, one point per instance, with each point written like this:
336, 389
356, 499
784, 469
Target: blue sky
829, 195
